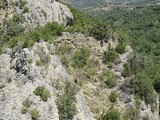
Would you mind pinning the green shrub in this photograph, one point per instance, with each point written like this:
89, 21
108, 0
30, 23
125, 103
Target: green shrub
35, 115
22, 3
131, 114
27, 102
145, 118
64, 52
135, 64
127, 70
108, 78
112, 114
113, 96
90, 72
44, 13
16, 3
12, 32
143, 87
17, 19
25, 10
99, 30
91, 67
39, 63
121, 48
63, 49
80, 57
44, 58
109, 56
42, 92
3, 4
24, 110
13, 29
123, 41
53, 29
66, 105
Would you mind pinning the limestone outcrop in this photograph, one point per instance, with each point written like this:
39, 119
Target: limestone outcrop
22, 70
37, 12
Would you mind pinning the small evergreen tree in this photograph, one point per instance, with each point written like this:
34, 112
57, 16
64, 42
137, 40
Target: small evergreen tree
66, 106
109, 56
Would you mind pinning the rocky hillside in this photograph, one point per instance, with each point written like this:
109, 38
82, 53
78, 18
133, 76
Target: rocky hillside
26, 73
22, 72
78, 72
91, 77
36, 12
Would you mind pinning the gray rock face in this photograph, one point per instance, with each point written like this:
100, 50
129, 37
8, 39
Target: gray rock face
37, 12
44, 11
20, 75
145, 111
83, 110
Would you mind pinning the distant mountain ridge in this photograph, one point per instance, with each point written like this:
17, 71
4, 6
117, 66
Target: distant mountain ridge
134, 1
89, 3
84, 3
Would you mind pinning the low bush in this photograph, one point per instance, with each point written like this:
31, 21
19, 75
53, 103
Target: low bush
24, 110
113, 96
127, 70
44, 58
27, 102
66, 105
112, 114
108, 78
22, 3
11, 32
109, 56
44, 13
64, 51
123, 41
131, 114
35, 114
25, 10
145, 118
42, 92
39, 63
80, 57
121, 48
3, 4
91, 67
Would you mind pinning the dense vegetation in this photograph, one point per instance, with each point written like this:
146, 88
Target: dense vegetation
88, 25
142, 26
84, 3
11, 33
